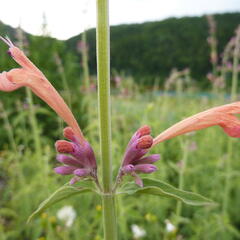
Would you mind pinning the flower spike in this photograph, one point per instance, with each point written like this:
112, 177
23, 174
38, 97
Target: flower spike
222, 116
30, 76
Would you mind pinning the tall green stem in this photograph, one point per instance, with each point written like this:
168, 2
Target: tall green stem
103, 65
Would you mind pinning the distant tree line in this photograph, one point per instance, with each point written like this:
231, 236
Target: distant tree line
145, 51
152, 49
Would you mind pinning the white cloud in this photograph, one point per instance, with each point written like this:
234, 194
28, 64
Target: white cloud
66, 18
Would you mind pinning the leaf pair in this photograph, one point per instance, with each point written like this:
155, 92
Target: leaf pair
151, 186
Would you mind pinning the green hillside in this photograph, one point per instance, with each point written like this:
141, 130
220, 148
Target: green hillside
152, 49
145, 51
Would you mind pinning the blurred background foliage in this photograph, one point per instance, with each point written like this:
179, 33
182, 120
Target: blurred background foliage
161, 72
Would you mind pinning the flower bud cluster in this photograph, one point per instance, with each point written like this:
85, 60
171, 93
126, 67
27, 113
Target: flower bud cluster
134, 160
78, 159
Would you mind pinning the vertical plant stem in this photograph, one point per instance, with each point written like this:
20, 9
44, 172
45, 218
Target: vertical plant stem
103, 65
227, 188
179, 87
109, 217
33, 122
213, 48
181, 175
85, 61
235, 66
19, 174
61, 72
9, 129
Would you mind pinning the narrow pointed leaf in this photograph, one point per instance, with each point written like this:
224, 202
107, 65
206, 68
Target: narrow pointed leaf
160, 188
63, 192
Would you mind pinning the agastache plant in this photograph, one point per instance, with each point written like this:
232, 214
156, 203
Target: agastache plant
77, 155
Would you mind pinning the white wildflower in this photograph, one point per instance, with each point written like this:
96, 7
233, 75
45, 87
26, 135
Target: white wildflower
137, 231
169, 226
67, 214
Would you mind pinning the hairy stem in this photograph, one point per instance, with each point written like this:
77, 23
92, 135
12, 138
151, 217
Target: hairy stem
109, 216
103, 65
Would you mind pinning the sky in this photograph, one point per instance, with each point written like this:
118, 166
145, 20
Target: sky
67, 18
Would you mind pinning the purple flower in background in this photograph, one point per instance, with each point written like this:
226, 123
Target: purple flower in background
192, 146
134, 160
117, 80
78, 159
82, 46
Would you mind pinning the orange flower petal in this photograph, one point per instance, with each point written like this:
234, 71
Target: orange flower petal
30, 76
6, 85
222, 116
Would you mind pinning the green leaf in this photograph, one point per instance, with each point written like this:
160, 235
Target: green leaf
63, 192
160, 188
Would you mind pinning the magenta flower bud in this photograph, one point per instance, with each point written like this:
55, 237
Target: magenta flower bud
138, 180
132, 153
9, 53
90, 155
74, 180
128, 168
145, 168
69, 134
149, 159
69, 160
65, 170
85, 154
144, 142
63, 146
81, 172
78, 151
142, 131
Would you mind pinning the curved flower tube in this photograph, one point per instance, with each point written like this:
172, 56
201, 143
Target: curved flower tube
30, 76
222, 116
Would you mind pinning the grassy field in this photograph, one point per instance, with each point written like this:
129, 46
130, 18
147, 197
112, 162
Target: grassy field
200, 162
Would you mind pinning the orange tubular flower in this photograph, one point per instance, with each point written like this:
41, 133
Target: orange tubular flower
222, 116
30, 76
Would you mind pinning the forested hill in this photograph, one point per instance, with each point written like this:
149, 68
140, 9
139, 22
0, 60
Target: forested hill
145, 51
152, 49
